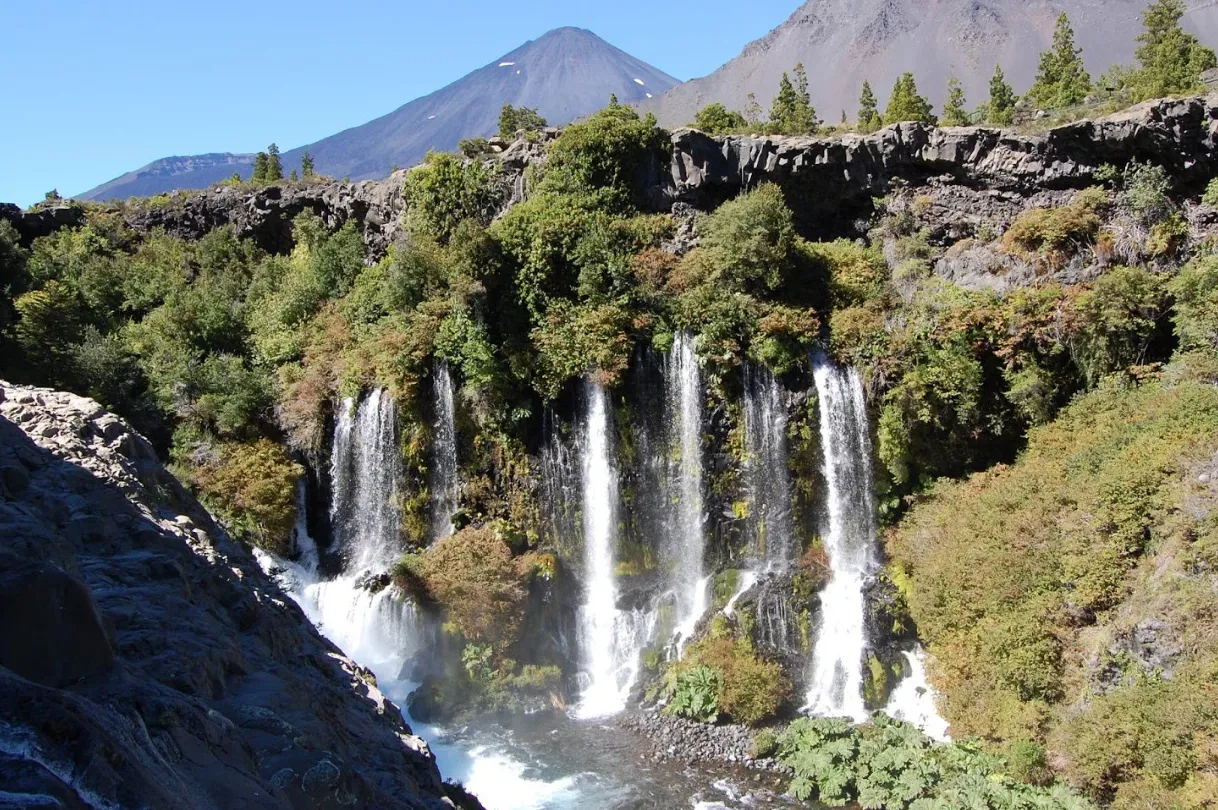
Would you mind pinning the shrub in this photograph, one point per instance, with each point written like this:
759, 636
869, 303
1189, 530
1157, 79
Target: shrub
765, 742
445, 191
696, 694
577, 340
749, 688
613, 150
1210, 197
891, 765
1145, 192
474, 576
715, 119
1195, 314
749, 240
1055, 232
251, 485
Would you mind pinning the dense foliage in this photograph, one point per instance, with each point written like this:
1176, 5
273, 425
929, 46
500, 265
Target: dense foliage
890, 765
1029, 582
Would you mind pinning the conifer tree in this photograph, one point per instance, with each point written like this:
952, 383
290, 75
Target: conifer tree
1171, 60
293, 176
260, 167
869, 114
1001, 109
307, 170
1061, 80
906, 105
274, 166
791, 112
613, 99
954, 114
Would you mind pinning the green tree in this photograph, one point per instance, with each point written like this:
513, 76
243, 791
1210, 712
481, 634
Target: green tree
514, 119
954, 114
715, 119
52, 195
1001, 109
613, 100
260, 168
791, 112
869, 113
274, 166
752, 109
1061, 80
307, 170
1171, 60
906, 105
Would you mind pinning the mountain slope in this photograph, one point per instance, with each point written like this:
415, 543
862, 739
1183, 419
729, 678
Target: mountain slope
843, 42
566, 73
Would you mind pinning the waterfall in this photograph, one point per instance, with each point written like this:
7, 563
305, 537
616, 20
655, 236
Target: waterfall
766, 474
304, 547
444, 484
365, 471
610, 639
836, 683
684, 400
767, 485
914, 700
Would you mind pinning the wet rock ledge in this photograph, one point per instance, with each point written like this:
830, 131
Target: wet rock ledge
145, 659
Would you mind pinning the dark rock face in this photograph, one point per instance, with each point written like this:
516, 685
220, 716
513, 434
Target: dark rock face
146, 660
828, 182
53, 633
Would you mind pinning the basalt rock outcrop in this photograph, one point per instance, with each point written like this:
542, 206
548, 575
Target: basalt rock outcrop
829, 181
974, 172
146, 660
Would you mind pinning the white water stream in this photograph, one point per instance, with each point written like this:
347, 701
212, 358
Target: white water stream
610, 639
444, 482
836, 685
683, 380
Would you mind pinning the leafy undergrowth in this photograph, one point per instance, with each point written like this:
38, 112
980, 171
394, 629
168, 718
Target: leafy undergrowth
723, 674
890, 765
1070, 598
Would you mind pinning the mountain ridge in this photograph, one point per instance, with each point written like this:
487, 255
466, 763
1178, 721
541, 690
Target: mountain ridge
565, 73
842, 43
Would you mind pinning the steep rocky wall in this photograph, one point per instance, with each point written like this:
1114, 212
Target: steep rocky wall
146, 660
828, 182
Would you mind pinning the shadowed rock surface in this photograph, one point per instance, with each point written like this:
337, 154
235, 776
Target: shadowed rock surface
146, 660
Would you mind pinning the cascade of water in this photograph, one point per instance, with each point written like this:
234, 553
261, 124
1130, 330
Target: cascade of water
746, 580
684, 399
914, 700
444, 484
836, 683
767, 476
610, 639
366, 472
303, 545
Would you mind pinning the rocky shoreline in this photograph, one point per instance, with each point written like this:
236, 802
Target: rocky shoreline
679, 739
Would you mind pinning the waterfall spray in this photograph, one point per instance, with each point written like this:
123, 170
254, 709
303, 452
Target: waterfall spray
683, 383
444, 484
837, 678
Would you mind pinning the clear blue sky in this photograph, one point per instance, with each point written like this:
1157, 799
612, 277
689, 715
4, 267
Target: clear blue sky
95, 88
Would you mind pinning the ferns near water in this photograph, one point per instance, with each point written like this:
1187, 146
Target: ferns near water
891, 765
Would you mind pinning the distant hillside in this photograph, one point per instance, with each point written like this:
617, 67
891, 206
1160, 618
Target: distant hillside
843, 42
565, 74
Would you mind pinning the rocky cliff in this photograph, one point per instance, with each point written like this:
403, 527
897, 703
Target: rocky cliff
146, 660
828, 182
